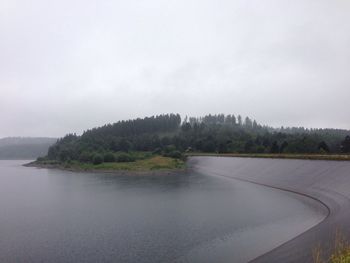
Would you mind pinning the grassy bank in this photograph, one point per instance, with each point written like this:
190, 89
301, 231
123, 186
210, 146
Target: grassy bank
142, 165
331, 157
340, 251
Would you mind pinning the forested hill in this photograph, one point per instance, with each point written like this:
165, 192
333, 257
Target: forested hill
24, 148
168, 135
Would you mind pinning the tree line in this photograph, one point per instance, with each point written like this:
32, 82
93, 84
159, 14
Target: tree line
167, 134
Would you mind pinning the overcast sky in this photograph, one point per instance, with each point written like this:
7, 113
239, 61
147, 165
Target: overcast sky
69, 65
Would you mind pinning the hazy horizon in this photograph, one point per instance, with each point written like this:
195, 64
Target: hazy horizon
70, 66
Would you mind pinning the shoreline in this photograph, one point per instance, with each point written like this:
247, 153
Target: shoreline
315, 157
130, 172
160, 171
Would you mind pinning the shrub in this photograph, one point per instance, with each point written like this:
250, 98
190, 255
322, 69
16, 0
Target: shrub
41, 159
340, 251
109, 158
174, 154
169, 149
124, 157
189, 149
85, 157
260, 149
97, 159
157, 151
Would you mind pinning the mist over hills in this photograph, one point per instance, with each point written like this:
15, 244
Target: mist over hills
24, 147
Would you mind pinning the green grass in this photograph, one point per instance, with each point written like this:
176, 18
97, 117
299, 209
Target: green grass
334, 157
340, 251
137, 155
146, 162
153, 163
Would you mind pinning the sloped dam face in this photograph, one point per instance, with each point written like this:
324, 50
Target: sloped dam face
201, 215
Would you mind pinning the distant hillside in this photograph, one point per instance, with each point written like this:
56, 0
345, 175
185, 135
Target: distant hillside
166, 134
24, 148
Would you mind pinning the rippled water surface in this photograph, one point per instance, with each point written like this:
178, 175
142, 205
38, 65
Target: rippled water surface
58, 216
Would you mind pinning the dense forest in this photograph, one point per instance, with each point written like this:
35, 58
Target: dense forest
170, 136
24, 148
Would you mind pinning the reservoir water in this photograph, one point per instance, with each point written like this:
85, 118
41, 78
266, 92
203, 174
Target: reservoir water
60, 216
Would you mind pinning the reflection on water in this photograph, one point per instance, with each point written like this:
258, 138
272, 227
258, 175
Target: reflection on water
56, 216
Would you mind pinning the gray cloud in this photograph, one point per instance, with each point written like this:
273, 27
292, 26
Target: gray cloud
66, 66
